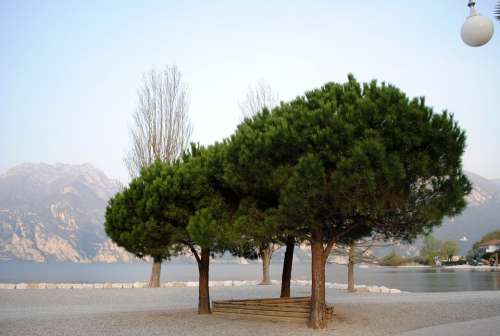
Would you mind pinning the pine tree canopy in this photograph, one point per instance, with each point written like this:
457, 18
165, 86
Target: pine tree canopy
353, 159
171, 206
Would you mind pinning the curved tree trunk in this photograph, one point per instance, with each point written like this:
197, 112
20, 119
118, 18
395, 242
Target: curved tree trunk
154, 280
317, 316
286, 276
203, 289
350, 269
265, 255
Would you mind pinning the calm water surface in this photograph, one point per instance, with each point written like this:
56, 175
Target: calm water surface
407, 279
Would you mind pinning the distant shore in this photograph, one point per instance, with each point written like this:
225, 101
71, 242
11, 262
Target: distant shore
471, 267
464, 267
457, 267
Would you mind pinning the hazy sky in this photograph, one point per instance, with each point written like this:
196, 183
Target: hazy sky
69, 70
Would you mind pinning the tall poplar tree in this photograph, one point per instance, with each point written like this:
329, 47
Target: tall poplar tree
161, 128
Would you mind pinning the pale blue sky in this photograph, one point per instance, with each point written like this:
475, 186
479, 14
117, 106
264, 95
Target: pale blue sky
69, 70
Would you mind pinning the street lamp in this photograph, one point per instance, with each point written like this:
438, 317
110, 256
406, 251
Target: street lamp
477, 29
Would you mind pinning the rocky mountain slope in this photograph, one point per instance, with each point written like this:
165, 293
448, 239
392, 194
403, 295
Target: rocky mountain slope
481, 216
55, 213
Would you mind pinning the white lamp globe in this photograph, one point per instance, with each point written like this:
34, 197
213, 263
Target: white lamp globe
477, 30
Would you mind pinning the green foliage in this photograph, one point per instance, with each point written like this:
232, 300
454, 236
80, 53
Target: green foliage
210, 228
352, 159
133, 220
392, 259
473, 255
449, 248
203, 228
433, 247
171, 205
305, 197
211, 224
256, 228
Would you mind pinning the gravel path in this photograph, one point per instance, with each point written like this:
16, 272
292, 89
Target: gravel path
170, 311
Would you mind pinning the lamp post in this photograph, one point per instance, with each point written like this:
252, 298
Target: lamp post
477, 30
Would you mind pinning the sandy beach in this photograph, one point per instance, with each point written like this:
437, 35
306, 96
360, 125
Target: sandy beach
171, 311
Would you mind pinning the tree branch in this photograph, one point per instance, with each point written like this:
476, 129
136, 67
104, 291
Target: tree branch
195, 253
328, 249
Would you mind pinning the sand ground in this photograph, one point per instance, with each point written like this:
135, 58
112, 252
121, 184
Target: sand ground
171, 311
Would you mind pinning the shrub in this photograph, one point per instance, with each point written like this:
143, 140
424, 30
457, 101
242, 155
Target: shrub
392, 259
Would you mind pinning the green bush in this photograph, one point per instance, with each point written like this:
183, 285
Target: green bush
392, 259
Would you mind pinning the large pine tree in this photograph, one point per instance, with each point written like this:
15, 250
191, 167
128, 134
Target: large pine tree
347, 160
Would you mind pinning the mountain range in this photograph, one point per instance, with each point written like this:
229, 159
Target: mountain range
56, 213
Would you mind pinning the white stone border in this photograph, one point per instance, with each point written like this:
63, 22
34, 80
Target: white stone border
227, 283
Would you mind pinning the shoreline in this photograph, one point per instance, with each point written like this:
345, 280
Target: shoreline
185, 284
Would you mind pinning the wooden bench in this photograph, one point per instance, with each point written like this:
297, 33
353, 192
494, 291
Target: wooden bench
278, 309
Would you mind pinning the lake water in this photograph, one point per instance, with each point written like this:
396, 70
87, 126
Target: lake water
407, 279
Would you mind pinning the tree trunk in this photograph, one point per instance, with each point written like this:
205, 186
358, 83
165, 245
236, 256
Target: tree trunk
265, 255
286, 276
203, 290
317, 316
154, 280
350, 269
